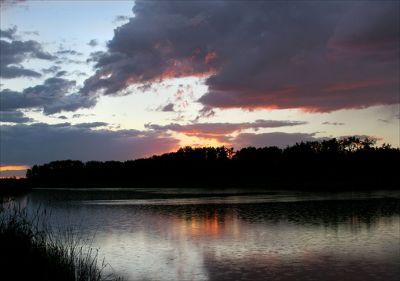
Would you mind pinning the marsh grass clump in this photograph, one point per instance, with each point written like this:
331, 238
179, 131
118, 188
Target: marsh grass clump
30, 250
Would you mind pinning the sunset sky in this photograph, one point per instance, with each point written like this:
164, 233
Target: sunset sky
119, 80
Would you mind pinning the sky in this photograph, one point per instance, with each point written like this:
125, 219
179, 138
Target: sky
120, 80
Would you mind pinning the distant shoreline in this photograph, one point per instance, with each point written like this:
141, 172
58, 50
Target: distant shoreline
16, 187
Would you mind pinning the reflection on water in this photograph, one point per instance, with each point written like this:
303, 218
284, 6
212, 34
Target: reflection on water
277, 236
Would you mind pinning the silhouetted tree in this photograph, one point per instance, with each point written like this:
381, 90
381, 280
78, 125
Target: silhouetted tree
339, 163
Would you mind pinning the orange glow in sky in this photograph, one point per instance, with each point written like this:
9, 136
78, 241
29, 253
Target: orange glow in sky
195, 141
4, 168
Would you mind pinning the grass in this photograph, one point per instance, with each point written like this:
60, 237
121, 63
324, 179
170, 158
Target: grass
30, 250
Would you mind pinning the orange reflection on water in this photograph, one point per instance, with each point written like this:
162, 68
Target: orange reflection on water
206, 225
213, 224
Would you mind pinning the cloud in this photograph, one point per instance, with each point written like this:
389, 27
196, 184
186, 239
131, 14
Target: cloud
264, 54
15, 71
205, 112
93, 43
65, 60
15, 52
8, 33
14, 116
61, 73
52, 96
168, 108
91, 125
278, 139
220, 131
121, 18
52, 69
383, 120
5, 4
39, 143
333, 123
35, 33
77, 115
69, 52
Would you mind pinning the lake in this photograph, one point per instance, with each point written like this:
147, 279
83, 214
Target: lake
234, 234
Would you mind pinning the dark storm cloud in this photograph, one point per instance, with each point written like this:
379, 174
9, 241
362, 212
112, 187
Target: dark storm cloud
15, 52
219, 131
318, 56
40, 143
52, 96
14, 116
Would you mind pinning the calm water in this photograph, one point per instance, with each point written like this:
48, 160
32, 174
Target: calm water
239, 235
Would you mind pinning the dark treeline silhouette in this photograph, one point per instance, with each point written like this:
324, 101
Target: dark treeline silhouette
13, 186
349, 163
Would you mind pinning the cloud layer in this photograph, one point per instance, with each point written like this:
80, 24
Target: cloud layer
310, 55
14, 116
52, 96
220, 131
238, 135
14, 52
279, 139
40, 143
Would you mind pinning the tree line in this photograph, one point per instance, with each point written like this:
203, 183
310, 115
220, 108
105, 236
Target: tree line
335, 163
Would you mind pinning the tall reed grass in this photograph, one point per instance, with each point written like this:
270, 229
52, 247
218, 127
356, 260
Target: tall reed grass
31, 250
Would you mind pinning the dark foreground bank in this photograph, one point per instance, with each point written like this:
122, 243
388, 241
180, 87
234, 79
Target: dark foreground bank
30, 251
14, 187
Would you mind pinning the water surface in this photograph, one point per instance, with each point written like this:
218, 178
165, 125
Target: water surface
167, 234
